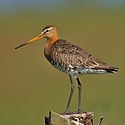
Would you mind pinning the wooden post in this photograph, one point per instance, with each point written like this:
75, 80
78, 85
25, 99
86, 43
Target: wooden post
85, 118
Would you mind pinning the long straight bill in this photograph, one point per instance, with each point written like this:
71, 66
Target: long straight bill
32, 40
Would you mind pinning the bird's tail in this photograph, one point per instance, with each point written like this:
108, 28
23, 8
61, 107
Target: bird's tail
108, 69
112, 69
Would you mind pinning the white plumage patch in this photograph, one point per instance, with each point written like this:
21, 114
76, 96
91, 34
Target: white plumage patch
75, 71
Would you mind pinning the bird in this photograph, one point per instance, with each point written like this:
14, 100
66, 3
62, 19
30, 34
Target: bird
71, 59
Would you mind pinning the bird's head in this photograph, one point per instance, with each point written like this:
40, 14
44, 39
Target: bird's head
49, 32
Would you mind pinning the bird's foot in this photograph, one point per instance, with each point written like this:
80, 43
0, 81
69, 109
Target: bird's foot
66, 113
80, 111
69, 113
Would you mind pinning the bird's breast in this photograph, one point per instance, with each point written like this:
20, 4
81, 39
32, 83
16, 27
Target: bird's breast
55, 60
55, 56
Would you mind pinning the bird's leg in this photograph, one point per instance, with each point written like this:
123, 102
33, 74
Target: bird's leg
71, 94
79, 94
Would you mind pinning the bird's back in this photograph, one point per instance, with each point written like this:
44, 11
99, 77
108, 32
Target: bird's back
74, 60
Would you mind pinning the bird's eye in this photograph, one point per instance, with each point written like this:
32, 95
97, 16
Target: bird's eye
47, 31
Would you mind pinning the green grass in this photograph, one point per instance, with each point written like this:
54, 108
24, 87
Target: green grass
30, 87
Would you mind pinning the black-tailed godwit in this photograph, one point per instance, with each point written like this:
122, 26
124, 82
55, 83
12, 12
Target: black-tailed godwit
70, 59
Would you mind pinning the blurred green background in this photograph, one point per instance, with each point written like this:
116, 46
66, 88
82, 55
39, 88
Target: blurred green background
30, 86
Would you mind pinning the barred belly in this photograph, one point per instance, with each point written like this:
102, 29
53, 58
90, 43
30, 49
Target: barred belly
59, 66
74, 71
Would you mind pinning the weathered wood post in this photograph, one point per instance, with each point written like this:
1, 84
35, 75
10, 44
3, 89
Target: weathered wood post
85, 118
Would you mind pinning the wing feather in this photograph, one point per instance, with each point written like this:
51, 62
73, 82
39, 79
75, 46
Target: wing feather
66, 53
74, 55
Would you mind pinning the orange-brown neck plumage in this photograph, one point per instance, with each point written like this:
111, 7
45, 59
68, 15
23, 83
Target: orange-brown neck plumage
52, 39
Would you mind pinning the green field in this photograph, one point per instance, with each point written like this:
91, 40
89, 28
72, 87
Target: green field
30, 86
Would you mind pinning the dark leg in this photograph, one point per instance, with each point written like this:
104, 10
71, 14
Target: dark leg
79, 94
71, 94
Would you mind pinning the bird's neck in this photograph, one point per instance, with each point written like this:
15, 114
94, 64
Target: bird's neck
52, 40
